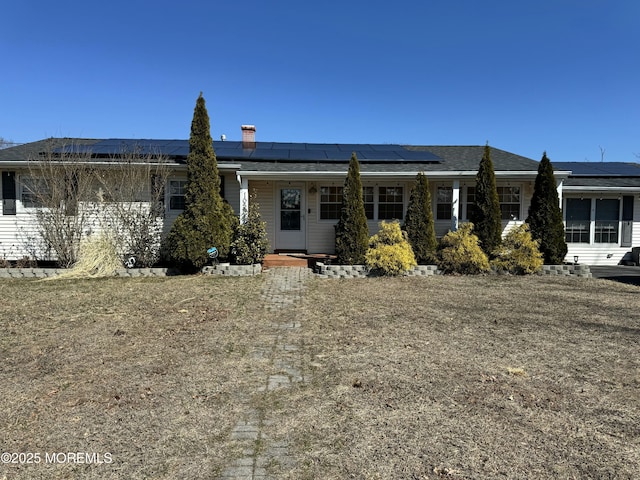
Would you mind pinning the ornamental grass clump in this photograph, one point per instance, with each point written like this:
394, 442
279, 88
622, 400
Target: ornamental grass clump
97, 257
519, 253
390, 252
460, 252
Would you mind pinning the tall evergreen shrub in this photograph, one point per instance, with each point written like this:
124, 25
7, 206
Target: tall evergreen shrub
545, 215
419, 222
250, 243
206, 221
352, 231
486, 217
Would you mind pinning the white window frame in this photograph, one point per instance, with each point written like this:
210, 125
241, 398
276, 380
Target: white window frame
25, 190
339, 191
501, 196
375, 203
579, 232
449, 189
171, 194
593, 221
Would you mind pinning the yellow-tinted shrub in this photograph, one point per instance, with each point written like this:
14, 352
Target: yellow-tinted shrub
519, 252
460, 252
389, 250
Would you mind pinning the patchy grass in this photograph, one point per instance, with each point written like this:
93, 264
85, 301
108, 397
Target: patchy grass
424, 378
147, 370
467, 378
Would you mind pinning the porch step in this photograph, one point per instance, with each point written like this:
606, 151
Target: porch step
276, 260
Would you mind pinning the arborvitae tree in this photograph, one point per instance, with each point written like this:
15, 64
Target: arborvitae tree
250, 243
486, 217
545, 216
419, 222
205, 221
352, 231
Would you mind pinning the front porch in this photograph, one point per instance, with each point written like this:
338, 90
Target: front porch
293, 259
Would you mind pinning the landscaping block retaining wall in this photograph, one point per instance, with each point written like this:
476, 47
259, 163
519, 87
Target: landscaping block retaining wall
582, 271
233, 270
360, 271
323, 271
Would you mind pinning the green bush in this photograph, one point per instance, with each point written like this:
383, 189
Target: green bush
352, 231
390, 252
460, 252
419, 222
519, 253
207, 220
250, 243
545, 216
486, 215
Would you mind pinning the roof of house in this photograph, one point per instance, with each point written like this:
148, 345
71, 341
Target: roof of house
289, 157
600, 169
593, 175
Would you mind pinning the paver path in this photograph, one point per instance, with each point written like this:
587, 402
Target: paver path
284, 287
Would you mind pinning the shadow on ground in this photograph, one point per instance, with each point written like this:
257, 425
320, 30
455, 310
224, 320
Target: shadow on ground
618, 273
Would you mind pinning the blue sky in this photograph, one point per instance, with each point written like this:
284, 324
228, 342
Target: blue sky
555, 75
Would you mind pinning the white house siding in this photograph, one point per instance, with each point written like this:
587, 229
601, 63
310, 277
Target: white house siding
19, 232
232, 191
15, 234
605, 253
265, 197
320, 233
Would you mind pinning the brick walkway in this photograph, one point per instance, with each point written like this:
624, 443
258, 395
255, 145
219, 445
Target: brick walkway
284, 287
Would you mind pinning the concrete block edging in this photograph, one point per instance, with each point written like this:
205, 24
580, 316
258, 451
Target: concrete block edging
361, 271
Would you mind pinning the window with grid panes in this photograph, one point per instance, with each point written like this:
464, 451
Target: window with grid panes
607, 219
367, 195
177, 190
390, 203
471, 202
330, 203
578, 215
34, 189
444, 196
509, 198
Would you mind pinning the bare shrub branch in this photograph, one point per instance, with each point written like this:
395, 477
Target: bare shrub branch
74, 195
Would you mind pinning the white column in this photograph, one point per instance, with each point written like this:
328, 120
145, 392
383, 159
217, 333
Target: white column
560, 183
455, 205
244, 197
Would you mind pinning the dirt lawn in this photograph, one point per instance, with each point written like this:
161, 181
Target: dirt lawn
421, 378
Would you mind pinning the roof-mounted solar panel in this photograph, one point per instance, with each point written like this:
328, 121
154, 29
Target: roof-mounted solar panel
270, 154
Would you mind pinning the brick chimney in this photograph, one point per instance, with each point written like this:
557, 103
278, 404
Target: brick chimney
248, 136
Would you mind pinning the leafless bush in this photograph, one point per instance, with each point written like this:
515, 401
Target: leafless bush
55, 189
131, 207
75, 195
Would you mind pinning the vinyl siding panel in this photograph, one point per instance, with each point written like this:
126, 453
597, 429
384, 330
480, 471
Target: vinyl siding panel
232, 191
265, 197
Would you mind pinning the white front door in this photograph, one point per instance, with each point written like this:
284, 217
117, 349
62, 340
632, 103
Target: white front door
291, 232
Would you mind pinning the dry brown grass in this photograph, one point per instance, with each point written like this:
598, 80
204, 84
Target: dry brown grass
148, 370
443, 377
468, 377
